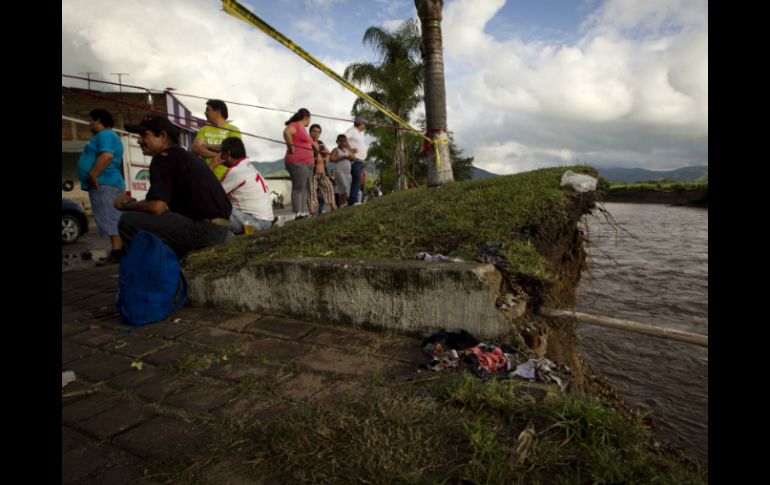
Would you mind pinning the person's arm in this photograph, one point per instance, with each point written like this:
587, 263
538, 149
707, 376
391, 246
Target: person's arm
216, 161
288, 134
203, 149
101, 163
335, 155
352, 152
232, 181
125, 203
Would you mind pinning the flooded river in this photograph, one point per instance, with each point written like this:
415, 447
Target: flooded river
657, 274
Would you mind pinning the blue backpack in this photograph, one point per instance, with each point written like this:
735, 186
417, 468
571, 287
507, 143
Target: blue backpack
150, 280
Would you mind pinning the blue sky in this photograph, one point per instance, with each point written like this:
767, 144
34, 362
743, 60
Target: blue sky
530, 83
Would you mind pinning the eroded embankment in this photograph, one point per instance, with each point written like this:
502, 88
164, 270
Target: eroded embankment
357, 266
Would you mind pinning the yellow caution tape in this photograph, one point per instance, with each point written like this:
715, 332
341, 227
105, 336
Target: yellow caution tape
242, 13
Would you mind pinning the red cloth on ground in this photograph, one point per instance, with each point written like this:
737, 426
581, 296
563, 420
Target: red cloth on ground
490, 361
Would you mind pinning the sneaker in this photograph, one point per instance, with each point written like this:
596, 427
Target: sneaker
111, 259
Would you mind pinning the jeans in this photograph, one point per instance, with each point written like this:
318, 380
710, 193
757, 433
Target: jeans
181, 233
238, 218
106, 215
300, 186
355, 185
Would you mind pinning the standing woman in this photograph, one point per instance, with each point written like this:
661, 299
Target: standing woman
320, 180
341, 158
299, 160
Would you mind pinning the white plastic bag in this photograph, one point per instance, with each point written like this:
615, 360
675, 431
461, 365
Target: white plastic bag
579, 182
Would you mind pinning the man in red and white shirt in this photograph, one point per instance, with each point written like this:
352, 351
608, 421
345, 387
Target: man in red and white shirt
245, 187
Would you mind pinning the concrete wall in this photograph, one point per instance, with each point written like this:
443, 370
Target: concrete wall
406, 296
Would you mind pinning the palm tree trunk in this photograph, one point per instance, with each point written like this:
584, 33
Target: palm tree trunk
435, 93
398, 159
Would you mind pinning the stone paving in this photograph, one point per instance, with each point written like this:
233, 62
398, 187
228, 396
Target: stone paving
146, 398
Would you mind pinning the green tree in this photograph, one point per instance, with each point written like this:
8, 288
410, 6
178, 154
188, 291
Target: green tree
395, 81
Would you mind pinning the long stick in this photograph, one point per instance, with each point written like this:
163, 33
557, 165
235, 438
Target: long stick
689, 337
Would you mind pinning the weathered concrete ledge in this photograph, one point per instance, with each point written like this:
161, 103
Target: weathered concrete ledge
413, 297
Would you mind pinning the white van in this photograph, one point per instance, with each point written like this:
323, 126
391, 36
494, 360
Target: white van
136, 166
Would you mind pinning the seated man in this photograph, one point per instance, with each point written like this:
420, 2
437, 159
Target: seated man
245, 187
186, 205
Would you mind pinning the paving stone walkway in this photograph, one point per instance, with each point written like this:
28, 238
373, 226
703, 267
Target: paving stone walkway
145, 398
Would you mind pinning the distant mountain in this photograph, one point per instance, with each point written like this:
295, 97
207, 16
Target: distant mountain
480, 173
268, 169
278, 169
631, 175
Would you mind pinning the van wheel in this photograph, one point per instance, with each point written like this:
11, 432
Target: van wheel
70, 229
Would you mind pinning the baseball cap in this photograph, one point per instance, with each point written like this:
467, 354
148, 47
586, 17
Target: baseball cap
360, 120
151, 122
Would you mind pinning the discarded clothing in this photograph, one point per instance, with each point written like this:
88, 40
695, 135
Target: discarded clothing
447, 349
453, 340
441, 359
490, 358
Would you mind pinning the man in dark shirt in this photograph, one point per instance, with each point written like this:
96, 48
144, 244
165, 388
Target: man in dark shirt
186, 205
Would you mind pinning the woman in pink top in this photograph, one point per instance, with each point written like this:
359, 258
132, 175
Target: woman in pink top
299, 161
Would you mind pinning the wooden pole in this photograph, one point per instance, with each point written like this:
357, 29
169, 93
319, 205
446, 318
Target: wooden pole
689, 337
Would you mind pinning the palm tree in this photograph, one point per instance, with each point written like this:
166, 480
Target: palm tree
396, 82
429, 12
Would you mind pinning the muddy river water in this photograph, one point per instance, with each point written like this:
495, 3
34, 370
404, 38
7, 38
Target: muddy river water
657, 274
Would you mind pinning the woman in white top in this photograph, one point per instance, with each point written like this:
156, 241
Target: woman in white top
341, 158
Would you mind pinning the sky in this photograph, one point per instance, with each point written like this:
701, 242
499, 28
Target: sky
530, 83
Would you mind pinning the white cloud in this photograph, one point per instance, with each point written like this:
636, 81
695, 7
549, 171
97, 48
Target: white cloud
638, 76
324, 4
392, 25
632, 90
649, 17
198, 49
463, 26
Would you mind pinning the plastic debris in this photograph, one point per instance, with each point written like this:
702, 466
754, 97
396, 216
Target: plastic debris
524, 442
578, 181
449, 349
137, 365
543, 370
66, 377
526, 370
437, 258
177, 320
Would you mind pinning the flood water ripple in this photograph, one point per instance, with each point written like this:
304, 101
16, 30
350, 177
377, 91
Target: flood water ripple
657, 274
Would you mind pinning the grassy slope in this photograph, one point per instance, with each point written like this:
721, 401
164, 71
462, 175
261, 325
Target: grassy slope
659, 186
680, 193
454, 220
459, 429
